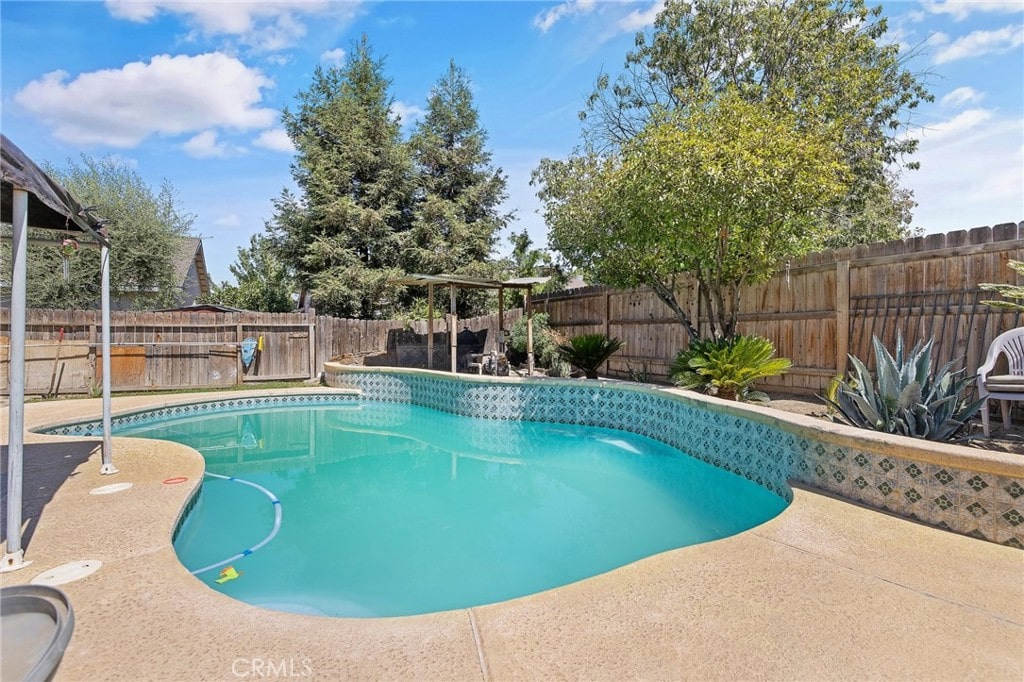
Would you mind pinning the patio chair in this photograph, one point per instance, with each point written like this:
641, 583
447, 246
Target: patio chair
1002, 387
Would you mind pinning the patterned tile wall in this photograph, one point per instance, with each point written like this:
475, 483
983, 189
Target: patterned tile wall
95, 427
981, 505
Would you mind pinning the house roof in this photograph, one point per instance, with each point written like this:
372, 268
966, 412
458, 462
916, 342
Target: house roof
190, 251
202, 308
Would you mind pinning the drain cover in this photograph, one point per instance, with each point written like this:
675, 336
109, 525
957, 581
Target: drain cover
67, 573
112, 488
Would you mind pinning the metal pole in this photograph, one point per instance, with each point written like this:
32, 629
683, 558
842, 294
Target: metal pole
529, 334
500, 347
15, 556
430, 326
453, 332
107, 466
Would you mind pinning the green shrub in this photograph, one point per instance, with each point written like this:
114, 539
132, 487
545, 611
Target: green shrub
589, 352
685, 376
545, 344
904, 397
728, 367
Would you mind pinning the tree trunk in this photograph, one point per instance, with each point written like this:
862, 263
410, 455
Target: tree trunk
705, 294
668, 297
727, 393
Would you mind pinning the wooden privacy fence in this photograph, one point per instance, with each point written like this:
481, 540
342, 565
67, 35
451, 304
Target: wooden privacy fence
152, 350
824, 306
177, 350
816, 311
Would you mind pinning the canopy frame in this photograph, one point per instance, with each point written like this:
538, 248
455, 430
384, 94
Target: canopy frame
454, 282
30, 198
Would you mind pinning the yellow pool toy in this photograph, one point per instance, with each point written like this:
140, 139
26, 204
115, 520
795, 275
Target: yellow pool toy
227, 574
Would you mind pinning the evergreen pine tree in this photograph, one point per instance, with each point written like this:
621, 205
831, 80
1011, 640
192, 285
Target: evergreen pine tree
457, 218
343, 238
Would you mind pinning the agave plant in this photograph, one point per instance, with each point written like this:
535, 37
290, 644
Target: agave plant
728, 368
905, 397
589, 351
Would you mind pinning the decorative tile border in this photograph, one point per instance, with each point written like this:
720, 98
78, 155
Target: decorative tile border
983, 505
94, 427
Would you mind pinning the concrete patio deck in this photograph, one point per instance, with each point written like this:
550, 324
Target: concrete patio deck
826, 590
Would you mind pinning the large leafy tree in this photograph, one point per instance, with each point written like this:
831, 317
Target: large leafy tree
457, 215
724, 191
262, 280
144, 226
343, 237
819, 59
527, 261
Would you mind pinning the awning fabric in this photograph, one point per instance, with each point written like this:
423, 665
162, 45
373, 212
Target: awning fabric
468, 282
50, 205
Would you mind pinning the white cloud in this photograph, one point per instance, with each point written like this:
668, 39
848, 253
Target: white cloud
972, 172
279, 59
407, 113
335, 56
229, 220
956, 127
548, 18
961, 9
169, 96
962, 95
980, 43
276, 139
637, 20
267, 25
205, 145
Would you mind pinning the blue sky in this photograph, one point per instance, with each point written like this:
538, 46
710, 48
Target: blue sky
191, 91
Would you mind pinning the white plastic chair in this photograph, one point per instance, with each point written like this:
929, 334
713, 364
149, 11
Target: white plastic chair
1002, 387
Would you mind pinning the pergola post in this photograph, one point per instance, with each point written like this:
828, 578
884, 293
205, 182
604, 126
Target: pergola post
501, 318
453, 336
529, 333
430, 326
106, 455
15, 556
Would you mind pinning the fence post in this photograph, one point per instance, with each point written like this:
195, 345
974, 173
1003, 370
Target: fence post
842, 315
312, 345
607, 326
238, 354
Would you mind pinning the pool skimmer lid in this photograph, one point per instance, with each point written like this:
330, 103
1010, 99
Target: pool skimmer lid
76, 570
112, 488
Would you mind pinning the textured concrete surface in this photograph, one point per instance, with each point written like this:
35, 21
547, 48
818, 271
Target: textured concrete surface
827, 590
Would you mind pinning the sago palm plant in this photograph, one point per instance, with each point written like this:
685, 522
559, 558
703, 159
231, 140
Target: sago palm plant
589, 352
728, 368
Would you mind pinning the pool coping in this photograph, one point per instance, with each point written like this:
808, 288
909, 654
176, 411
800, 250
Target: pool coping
826, 589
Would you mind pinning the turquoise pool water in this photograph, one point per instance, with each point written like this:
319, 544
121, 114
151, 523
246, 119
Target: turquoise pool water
394, 509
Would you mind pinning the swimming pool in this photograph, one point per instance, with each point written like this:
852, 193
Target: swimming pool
391, 508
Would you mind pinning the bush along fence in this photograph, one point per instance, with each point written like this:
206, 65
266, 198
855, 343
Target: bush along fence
180, 350
823, 307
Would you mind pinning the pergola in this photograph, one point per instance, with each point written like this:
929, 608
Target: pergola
454, 282
30, 198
